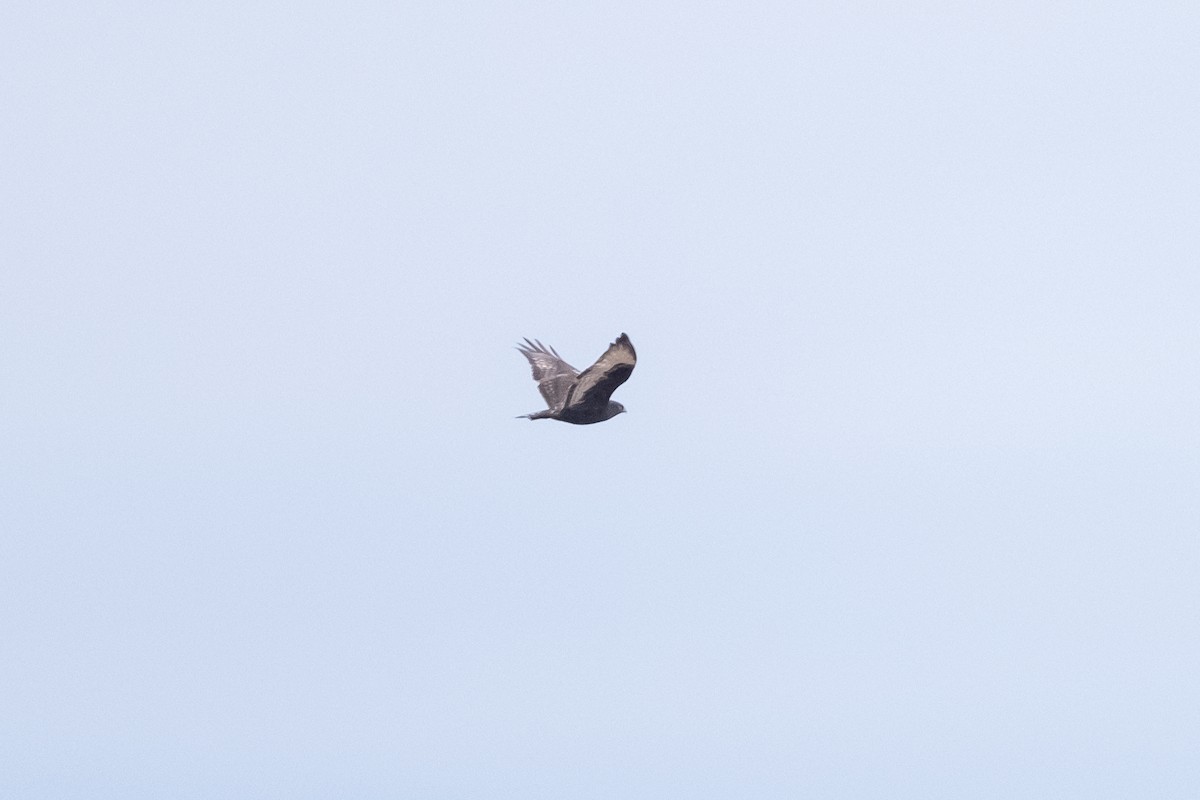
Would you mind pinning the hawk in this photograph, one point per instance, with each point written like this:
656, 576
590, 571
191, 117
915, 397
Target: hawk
579, 398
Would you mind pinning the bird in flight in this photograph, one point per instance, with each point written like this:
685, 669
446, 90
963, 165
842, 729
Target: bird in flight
580, 398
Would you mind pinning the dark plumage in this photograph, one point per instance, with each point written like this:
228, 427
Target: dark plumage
580, 398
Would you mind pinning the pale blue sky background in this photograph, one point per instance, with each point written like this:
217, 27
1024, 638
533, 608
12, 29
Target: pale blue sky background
907, 502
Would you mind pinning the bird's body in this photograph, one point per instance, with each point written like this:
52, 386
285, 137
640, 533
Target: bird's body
580, 398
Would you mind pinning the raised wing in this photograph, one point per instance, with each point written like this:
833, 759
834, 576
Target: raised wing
597, 383
554, 376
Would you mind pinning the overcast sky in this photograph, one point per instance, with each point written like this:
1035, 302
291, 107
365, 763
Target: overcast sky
906, 503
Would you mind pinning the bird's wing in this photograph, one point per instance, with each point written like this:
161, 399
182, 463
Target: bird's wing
597, 383
554, 376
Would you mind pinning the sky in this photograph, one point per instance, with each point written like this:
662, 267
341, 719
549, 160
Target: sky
906, 503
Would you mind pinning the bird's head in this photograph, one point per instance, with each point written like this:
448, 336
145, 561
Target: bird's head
615, 408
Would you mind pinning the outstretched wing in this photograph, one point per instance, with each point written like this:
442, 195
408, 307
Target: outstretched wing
554, 376
597, 383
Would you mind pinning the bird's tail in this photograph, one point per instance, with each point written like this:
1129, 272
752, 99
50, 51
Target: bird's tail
545, 414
